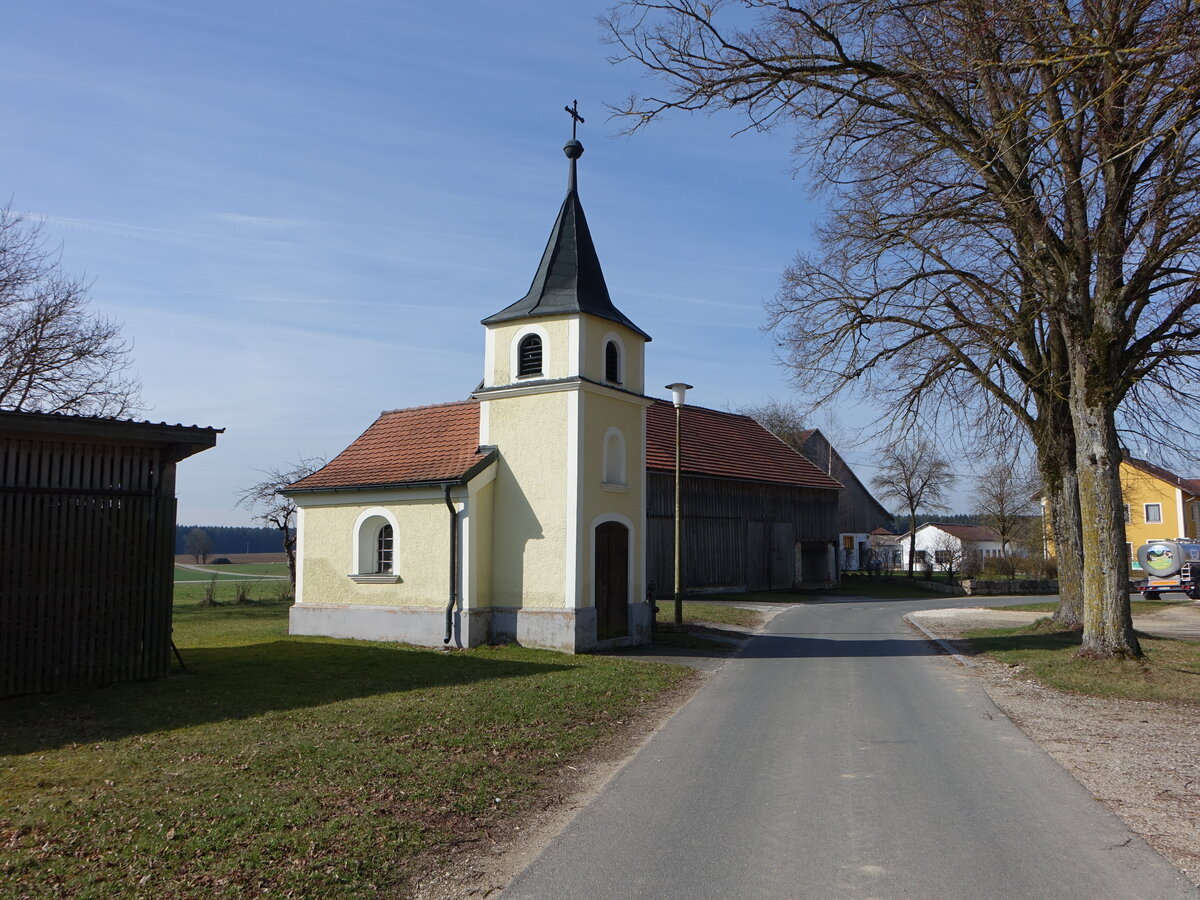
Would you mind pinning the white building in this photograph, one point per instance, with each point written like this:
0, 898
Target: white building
942, 546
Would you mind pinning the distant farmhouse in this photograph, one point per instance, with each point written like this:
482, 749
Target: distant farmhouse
943, 546
87, 528
540, 509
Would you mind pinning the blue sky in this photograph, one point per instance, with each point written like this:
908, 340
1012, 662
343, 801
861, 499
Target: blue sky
301, 210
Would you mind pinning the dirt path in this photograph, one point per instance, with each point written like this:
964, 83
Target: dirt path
208, 570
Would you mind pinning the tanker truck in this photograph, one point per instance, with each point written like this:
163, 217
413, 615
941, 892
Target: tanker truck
1170, 566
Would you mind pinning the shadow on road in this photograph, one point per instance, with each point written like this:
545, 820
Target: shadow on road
869, 644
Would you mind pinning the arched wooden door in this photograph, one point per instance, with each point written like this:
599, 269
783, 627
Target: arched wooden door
612, 580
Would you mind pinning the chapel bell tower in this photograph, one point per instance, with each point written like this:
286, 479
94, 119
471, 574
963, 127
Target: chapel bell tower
562, 399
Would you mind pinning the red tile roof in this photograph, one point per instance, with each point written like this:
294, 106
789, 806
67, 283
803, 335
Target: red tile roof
406, 446
440, 443
726, 445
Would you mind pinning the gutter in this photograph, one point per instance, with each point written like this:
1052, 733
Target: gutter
450, 603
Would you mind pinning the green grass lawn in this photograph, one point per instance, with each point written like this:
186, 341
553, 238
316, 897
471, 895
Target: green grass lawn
226, 592
717, 613
1170, 670
693, 613
286, 766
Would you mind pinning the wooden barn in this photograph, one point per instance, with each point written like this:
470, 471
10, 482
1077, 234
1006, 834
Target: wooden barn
87, 530
859, 513
756, 514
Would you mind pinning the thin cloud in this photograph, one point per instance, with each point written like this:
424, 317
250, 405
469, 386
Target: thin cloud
262, 221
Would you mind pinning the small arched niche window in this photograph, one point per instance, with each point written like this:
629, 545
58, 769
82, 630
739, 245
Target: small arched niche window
529, 356
614, 458
612, 363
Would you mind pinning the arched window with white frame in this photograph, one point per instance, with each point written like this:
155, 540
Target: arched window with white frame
375, 546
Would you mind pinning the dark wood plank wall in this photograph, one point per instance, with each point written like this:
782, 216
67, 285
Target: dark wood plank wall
858, 511
86, 533
739, 533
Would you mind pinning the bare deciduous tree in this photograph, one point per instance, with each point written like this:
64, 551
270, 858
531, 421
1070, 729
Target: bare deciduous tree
782, 418
1017, 189
274, 509
1003, 500
198, 544
949, 554
55, 355
916, 475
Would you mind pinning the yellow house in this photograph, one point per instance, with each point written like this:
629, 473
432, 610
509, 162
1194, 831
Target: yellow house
518, 514
1159, 505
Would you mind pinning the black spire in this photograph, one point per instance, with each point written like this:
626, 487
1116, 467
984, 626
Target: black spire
569, 278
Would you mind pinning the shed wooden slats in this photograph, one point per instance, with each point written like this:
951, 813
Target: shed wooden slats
739, 533
85, 574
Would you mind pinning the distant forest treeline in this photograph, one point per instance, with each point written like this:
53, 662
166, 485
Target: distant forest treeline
900, 524
233, 538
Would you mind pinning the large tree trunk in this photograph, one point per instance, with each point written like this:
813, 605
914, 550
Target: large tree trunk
1060, 488
1107, 622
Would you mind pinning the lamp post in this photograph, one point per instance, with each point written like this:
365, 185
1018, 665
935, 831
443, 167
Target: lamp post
678, 392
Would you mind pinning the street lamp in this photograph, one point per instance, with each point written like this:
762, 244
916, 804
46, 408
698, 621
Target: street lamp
678, 392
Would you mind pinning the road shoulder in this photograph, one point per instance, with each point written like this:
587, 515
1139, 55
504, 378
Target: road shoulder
1141, 759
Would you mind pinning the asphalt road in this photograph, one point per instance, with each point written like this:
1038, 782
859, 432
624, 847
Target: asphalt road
842, 756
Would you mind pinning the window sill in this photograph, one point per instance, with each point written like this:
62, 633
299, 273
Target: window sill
615, 488
377, 578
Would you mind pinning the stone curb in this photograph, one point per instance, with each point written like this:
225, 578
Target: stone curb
945, 645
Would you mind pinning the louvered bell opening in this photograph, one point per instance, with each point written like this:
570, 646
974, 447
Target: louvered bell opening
529, 356
612, 363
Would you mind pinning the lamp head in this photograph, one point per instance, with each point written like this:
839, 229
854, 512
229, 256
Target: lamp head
678, 392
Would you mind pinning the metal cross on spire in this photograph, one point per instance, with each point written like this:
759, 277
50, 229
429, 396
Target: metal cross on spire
576, 118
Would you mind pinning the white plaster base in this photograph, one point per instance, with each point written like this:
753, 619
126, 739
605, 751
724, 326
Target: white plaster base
565, 630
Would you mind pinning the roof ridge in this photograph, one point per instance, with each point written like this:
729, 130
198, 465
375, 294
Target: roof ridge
721, 412
402, 409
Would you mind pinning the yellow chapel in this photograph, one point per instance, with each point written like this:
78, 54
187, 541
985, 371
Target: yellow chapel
515, 515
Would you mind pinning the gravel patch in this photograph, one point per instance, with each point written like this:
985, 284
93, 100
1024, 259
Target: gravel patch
1141, 759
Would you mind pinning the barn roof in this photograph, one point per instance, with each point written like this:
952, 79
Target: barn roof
726, 445
406, 447
440, 444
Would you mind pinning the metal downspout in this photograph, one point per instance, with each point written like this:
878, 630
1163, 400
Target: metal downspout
453, 565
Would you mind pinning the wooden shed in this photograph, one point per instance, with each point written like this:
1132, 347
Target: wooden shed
87, 528
756, 514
